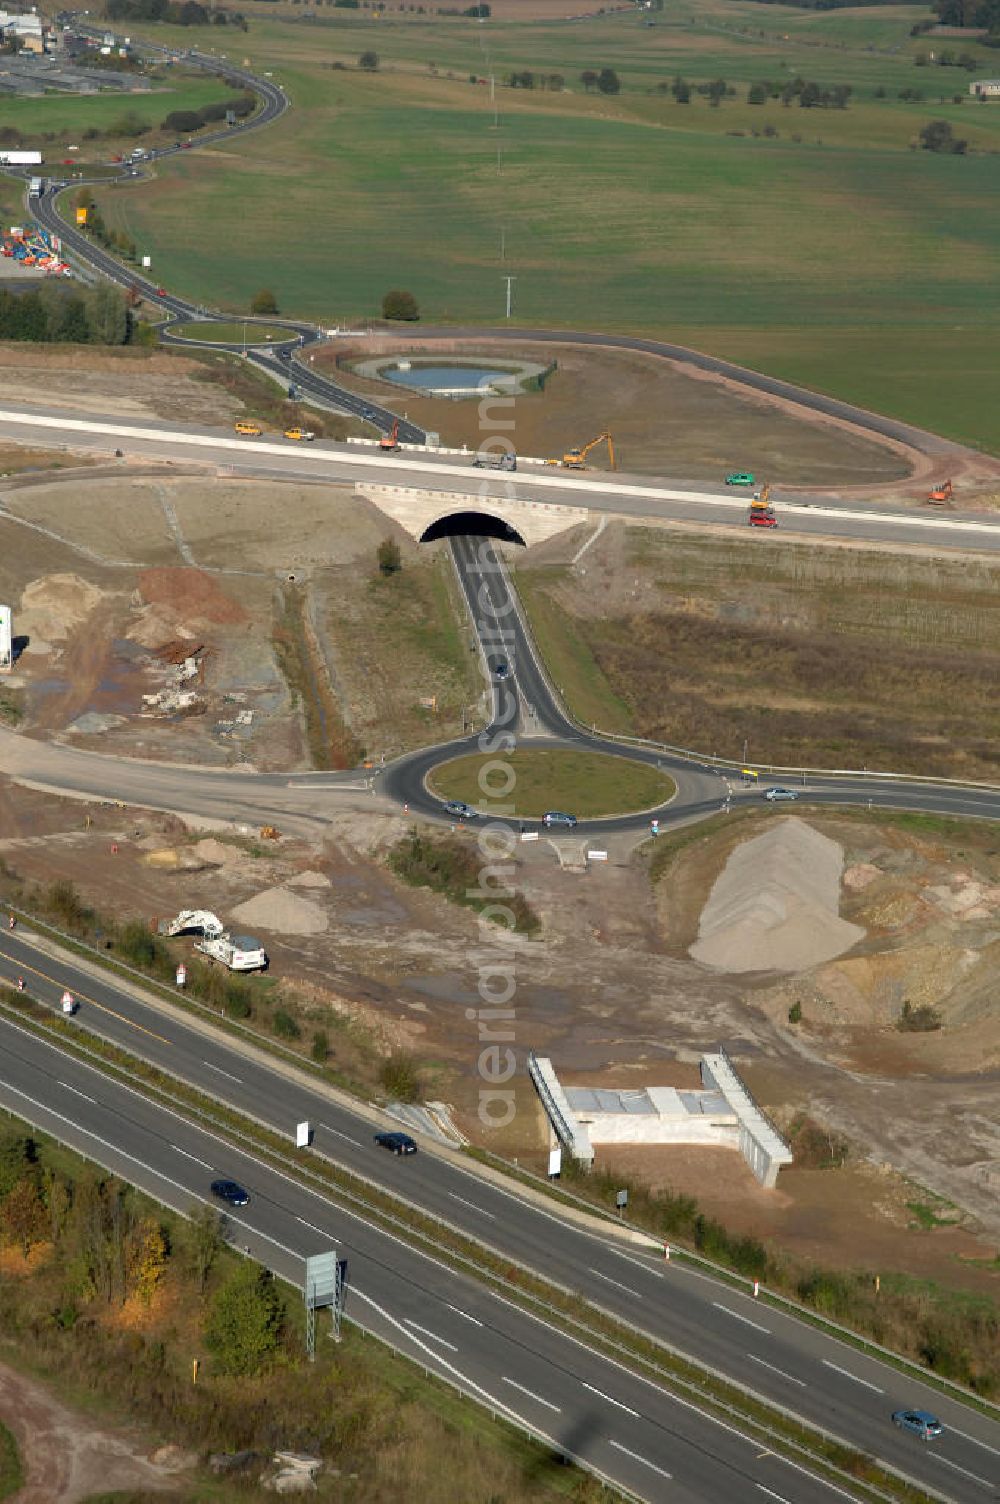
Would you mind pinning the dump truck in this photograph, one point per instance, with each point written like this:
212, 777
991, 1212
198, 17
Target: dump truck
236, 952
505, 461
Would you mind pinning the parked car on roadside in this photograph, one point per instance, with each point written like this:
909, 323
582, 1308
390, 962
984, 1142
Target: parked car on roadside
557, 817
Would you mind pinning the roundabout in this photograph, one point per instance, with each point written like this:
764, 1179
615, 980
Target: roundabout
589, 785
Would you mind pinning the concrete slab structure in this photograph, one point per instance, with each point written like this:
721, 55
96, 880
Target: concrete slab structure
722, 1113
417, 510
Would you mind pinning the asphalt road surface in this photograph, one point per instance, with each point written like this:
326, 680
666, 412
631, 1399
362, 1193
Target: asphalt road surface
766, 1350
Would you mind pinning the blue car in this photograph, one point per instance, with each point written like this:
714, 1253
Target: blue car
921, 1422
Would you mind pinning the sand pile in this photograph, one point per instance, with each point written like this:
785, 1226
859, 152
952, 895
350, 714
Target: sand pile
55, 605
310, 880
775, 905
281, 912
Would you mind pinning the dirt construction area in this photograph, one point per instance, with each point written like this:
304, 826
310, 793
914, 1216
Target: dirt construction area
66, 1458
665, 419
211, 621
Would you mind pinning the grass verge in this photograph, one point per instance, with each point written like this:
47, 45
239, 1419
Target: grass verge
569, 661
331, 742
11, 1474
588, 784
454, 868
235, 333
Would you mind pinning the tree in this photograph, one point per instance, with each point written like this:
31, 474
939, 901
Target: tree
264, 302
17, 1150
809, 96
146, 1259
608, 81
681, 90
243, 1327
369, 62
107, 315
716, 92
589, 79
399, 304
937, 135
203, 1243
390, 560
756, 94
23, 1216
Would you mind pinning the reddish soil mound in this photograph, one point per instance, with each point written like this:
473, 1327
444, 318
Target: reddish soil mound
190, 594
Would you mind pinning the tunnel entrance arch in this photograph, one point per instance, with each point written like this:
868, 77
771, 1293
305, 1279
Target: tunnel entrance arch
471, 524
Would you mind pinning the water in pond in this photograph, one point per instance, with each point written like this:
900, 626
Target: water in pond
445, 378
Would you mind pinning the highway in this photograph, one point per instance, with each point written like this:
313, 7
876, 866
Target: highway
764, 1349
277, 458
585, 1406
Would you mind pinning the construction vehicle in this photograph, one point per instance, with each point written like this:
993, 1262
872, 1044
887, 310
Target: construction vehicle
270, 833
942, 494
192, 921
574, 459
390, 440
505, 461
761, 512
248, 430
237, 952
304, 435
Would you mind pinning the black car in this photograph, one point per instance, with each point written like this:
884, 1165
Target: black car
501, 669
557, 817
399, 1143
231, 1192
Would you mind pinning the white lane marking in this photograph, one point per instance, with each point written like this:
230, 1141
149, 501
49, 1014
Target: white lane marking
963, 1470
177, 1149
327, 1129
472, 1206
432, 1335
77, 1092
312, 1227
771, 1494
740, 1317
531, 1394
465, 1316
848, 1375
617, 1283
954, 1431
647, 1268
617, 1403
228, 1074
644, 1460
790, 1377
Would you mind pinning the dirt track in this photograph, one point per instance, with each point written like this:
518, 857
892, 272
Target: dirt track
64, 1456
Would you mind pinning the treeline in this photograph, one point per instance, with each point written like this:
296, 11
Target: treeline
187, 121
803, 91
174, 12
982, 15
56, 314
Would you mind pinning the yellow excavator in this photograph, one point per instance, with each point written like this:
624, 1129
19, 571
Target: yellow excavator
574, 459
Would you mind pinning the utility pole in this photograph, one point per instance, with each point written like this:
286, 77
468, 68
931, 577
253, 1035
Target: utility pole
499, 163
509, 281
503, 244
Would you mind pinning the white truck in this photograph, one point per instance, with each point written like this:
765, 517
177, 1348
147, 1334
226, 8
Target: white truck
21, 158
236, 952
36, 187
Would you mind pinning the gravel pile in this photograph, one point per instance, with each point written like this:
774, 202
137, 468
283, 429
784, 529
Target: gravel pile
775, 905
282, 913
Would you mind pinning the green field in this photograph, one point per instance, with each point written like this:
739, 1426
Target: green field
585, 784
232, 334
831, 251
66, 118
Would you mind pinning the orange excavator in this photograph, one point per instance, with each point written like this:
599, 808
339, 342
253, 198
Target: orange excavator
390, 440
574, 459
942, 494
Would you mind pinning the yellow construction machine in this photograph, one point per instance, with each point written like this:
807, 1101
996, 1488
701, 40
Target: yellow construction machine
574, 459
